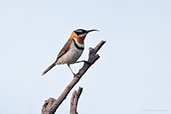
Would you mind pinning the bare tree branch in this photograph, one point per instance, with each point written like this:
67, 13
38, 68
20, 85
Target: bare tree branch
74, 100
51, 104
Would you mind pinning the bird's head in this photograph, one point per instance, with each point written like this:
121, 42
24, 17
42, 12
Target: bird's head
80, 34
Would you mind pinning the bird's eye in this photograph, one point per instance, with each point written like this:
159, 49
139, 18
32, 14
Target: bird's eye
80, 31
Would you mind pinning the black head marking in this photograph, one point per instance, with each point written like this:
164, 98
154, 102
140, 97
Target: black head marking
80, 31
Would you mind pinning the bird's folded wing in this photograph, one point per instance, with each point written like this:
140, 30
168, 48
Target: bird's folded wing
64, 49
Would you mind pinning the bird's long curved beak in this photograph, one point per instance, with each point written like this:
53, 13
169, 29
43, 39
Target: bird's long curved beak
92, 30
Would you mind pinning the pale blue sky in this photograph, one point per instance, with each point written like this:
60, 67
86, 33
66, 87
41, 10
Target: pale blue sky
133, 75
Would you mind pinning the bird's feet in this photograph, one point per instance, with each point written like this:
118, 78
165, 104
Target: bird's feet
87, 62
76, 75
84, 62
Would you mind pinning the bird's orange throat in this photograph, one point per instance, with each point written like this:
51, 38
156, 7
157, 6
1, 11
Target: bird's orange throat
74, 35
80, 39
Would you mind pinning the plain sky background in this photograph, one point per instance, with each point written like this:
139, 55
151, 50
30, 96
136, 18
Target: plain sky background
133, 75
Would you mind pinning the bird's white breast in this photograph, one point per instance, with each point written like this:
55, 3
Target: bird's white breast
71, 56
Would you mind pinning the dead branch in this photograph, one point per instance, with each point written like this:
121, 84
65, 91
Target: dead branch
74, 100
52, 104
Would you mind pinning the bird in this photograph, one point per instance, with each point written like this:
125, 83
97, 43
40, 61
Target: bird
72, 50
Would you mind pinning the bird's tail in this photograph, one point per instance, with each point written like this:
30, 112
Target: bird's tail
50, 67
